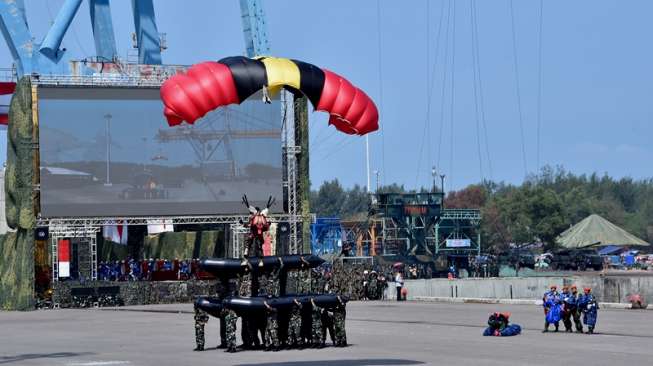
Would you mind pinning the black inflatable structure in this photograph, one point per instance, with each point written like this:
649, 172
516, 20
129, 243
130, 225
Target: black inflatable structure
224, 267
270, 275
213, 306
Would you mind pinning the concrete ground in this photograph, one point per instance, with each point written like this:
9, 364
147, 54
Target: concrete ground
380, 333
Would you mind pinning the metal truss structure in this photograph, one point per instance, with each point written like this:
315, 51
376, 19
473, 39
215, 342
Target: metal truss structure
103, 80
382, 235
458, 224
290, 183
238, 233
86, 233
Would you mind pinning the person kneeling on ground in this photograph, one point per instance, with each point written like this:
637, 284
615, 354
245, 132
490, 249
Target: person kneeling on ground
499, 326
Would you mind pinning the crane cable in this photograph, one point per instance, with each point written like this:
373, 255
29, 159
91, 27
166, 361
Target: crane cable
444, 83
453, 89
381, 126
516, 67
480, 92
475, 84
539, 84
430, 85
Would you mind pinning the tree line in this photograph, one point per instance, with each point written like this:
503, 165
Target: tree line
537, 210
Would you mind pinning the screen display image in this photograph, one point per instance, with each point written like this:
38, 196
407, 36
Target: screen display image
109, 152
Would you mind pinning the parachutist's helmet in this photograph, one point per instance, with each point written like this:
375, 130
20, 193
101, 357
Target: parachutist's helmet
258, 209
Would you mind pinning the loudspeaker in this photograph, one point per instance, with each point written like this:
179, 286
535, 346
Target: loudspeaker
283, 238
41, 233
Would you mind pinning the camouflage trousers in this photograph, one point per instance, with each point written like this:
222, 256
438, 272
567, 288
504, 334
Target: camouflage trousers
327, 325
272, 333
316, 329
339, 327
199, 335
230, 329
295, 331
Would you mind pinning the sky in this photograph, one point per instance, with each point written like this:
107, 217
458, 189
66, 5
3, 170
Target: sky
594, 96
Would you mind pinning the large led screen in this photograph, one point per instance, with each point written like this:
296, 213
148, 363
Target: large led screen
109, 152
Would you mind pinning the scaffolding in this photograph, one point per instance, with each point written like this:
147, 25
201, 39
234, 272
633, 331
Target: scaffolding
458, 232
414, 223
83, 234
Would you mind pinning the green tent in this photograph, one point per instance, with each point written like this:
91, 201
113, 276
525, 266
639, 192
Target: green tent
595, 230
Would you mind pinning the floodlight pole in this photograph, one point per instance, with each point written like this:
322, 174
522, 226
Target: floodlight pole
367, 162
108, 117
377, 173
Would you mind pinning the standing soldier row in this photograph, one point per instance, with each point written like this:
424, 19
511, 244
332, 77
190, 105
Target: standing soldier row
568, 305
321, 321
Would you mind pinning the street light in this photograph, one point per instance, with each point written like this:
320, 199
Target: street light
377, 173
442, 182
433, 174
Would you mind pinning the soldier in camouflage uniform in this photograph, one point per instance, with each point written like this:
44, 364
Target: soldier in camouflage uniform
245, 282
304, 278
200, 320
223, 292
270, 283
316, 326
317, 282
339, 315
295, 326
271, 329
327, 325
372, 286
230, 319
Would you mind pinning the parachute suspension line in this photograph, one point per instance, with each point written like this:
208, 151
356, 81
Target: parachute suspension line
475, 87
428, 77
539, 84
381, 126
516, 67
480, 91
453, 89
444, 83
426, 136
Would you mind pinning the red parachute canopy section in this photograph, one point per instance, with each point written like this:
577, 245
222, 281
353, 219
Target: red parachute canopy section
6, 87
351, 110
210, 85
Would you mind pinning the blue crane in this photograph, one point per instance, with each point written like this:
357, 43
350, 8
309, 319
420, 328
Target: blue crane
47, 56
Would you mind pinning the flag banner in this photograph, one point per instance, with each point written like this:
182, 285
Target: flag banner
63, 252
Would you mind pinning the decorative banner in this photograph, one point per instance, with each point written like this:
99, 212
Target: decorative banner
270, 243
458, 243
63, 252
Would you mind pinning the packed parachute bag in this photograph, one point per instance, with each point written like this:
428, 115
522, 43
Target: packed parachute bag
554, 314
499, 326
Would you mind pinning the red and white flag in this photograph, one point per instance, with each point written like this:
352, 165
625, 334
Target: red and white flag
63, 252
115, 233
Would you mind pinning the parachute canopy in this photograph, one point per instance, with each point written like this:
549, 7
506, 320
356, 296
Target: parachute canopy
209, 85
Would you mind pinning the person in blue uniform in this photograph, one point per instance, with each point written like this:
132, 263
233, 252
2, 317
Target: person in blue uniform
552, 308
589, 307
575, 309
499, 326
567, 305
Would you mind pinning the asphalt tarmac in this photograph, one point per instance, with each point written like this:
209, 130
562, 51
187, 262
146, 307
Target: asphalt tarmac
380, 333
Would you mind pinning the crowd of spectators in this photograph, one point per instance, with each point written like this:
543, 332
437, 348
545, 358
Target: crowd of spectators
149, 270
